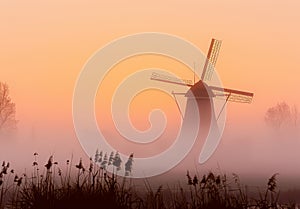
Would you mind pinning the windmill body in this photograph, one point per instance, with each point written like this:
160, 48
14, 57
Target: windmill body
201, 91
201, 94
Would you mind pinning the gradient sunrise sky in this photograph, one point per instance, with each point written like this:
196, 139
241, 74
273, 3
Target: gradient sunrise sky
44, 45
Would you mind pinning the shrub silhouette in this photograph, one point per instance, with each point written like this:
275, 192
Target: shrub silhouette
92, 187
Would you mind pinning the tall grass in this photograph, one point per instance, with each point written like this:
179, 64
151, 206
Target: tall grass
73, 185
91, 187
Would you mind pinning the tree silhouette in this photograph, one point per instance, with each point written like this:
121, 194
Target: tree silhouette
295, 115
280, 115
7, 109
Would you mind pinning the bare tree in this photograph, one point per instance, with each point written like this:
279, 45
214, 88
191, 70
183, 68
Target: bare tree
295, 115
7, 109
280, 115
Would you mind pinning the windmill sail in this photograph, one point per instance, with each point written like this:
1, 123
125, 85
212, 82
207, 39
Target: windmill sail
232, 95
170, 79
211, 59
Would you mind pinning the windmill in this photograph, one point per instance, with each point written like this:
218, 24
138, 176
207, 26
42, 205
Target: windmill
204, 93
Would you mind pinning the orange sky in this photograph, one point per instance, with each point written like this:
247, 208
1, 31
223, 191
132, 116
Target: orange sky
44, 45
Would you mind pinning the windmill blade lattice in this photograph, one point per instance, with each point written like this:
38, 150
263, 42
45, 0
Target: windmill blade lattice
170, 79
211, 60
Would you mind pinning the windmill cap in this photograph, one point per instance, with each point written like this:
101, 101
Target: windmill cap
199, 90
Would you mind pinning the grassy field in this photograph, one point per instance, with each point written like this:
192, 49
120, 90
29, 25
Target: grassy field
72, 185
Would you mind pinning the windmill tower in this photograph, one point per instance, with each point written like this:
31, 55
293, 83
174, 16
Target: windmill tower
203, 93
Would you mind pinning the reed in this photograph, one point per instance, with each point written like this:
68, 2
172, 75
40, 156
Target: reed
73, 185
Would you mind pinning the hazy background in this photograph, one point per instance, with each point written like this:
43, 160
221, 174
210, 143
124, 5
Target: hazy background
44, 45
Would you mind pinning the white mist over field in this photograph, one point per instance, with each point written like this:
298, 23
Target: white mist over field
252, 150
